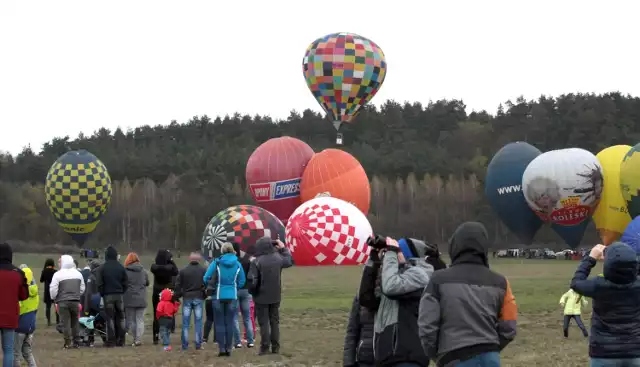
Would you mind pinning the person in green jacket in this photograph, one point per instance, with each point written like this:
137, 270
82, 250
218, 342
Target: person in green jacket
27, 322
572, 303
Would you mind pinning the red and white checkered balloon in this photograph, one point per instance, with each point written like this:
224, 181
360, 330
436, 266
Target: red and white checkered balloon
328, 231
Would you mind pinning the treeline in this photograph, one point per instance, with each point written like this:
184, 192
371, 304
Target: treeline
170, 179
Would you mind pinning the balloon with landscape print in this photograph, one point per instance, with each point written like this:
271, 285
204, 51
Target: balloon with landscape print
563, 187
78, 192
630, 180
328, 231
241, 225
338, 174
611, 216
503, 189
274, 171
343, 71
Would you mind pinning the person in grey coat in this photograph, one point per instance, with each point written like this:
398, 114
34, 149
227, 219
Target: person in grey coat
265, 285
135, 297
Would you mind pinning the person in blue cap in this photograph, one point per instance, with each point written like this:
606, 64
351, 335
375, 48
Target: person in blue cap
615, 322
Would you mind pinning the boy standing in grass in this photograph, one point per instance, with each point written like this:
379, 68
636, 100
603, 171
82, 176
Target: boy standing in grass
572, 303
165, 313
27, 322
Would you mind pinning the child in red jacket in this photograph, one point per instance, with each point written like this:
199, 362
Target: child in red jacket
165, 313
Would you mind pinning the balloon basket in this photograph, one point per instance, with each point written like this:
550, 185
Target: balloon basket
339, 139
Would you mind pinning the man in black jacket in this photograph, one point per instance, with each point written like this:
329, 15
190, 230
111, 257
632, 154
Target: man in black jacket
358, 342
265, 284
190, 288
111, 281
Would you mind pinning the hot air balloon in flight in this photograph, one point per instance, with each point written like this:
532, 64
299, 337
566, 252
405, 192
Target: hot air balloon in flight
611, 216
630, 180
563, 187
328, 231
78, 192
274, 171
241, 225
503, 189
338, 174
343, 71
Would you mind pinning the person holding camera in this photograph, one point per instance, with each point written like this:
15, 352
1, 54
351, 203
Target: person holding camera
403, 275
467, 312
265, 285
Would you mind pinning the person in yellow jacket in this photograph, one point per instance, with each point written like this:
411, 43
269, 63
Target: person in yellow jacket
27, 322
572, 303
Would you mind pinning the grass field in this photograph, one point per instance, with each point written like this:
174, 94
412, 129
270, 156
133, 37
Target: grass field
313, 317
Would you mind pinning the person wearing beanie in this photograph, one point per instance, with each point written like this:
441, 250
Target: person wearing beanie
615, 322
14, 289
135, 297
191, 289
403, 277
112, 281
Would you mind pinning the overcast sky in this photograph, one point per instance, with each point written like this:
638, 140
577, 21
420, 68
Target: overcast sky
74, 66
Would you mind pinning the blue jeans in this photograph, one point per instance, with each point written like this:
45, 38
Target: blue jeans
224, 312
613, 362
7, 347
165, 334
489, 359
244, 301
190, 306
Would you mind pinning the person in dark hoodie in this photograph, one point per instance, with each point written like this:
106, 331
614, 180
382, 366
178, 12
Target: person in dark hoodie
163, 270
14, 289
91, 297
265, 285
615, 322
45, 277
467, 312
111, 280
244, 305
358, 342
190, 288
403, 276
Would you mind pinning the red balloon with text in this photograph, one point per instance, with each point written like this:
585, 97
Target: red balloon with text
273, 173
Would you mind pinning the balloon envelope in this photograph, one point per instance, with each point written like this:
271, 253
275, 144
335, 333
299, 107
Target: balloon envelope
274, 171
241, 225
630, 180
503, 189
563, 187
343, 71
78, 192
328, 231
611, 216
338, 174
631, 235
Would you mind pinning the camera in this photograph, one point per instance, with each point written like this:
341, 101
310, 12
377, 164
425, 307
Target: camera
377, 242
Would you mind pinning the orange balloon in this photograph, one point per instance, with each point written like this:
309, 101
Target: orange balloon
338, 174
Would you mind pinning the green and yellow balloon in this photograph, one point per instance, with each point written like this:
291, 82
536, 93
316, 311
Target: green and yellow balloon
78, 192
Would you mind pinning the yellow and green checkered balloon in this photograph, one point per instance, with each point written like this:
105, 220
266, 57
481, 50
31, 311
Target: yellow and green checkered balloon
78, 191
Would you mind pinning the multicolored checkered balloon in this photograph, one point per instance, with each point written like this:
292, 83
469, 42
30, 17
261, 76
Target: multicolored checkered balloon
344, 71
242, 225
78, 192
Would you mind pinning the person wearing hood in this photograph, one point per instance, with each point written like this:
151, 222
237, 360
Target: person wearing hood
22, 346
265, 285
615, 322
67, 288
245, 302
112, 280
467, 312
45, 277
228, 276
163, 270
135, 297
189, 287
403, 275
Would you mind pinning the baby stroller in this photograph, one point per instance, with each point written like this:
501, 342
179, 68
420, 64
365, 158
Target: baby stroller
89, 326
